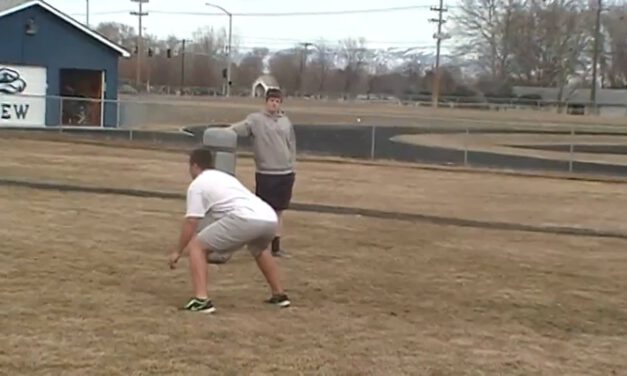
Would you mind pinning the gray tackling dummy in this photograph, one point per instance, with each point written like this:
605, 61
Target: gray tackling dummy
223, 142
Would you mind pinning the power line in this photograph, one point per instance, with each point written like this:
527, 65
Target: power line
334, 47
325, 42
294, 14
372, 46
106, 13
265, 41
269, 14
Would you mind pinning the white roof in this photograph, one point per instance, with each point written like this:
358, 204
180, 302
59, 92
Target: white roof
267, 80
27, 4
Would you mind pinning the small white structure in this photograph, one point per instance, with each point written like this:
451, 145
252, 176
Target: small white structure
262, 84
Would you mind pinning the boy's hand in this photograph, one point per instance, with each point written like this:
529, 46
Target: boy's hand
173, 259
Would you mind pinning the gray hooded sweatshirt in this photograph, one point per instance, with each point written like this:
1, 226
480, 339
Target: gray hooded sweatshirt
273, 139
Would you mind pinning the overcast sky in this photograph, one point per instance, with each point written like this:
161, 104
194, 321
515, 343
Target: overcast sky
406, 28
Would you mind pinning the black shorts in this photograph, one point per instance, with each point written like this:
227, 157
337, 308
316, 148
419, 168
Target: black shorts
276, 190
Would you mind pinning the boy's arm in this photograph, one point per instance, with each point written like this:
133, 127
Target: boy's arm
188, 229
195, 212
242, 128
291, 144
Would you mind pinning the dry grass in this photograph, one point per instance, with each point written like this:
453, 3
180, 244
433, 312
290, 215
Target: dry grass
463, 195
87, 289
170, 112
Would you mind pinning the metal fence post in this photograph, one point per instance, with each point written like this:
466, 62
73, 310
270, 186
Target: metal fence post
373, 141
60, 119
466, 146
571, 158
117, 117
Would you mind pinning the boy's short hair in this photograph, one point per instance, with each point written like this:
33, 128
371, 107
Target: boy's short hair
202, 157
274, 93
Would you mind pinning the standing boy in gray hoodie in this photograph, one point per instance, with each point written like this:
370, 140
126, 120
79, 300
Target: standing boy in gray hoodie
274, 146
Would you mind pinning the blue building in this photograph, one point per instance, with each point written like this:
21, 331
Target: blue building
54, 70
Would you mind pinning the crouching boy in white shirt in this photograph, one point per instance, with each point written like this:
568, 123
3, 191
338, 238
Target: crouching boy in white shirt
240, 219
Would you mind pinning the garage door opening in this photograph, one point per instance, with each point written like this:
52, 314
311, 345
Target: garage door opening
82, 92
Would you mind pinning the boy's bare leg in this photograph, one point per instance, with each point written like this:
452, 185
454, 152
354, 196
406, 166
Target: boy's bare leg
198, 268
270, 271
277, 251
279, 227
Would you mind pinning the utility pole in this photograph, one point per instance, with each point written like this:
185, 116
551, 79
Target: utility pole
229, 50
183, 66
230, 58
438, 36
303, 64
140, 48
595, 58
149, 68
87, 12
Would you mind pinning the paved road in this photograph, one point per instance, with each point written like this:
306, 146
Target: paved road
356, 142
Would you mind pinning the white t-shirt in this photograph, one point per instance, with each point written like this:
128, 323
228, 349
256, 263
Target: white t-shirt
216, 193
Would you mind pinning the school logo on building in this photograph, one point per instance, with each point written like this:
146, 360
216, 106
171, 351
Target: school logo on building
11, 82
23, 95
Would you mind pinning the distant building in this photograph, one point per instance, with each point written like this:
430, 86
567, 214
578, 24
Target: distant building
262, 84
610, 102
46, 55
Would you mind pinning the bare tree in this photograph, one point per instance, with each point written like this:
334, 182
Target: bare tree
323, 61
530, 42
449, 82
119, 33
285, 66
250, 67
485, 28
615, 59
551, 42
354, 56
377, 68
207, 58
412, 69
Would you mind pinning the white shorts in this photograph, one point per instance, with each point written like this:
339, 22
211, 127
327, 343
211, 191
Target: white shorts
231, 233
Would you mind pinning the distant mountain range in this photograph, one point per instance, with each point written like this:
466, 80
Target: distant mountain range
395, 57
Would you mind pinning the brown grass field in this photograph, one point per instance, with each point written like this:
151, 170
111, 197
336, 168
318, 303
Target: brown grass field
87, 290
166, 112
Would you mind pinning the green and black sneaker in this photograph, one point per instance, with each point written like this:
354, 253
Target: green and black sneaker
200, 305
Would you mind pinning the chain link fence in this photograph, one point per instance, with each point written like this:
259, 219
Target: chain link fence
573, 147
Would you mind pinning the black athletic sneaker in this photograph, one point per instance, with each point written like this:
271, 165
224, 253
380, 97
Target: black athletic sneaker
280, 301
200, 305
